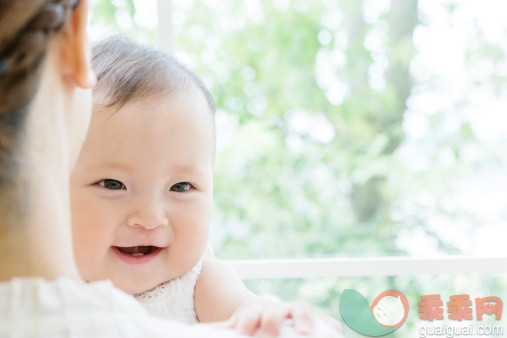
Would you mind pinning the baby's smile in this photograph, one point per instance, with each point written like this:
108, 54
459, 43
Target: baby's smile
140, 250
137, 254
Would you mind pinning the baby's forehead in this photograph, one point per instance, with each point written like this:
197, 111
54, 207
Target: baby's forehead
182, 121
186, 110
103, 104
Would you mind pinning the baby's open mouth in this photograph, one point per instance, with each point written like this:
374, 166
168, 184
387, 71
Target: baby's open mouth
140, 250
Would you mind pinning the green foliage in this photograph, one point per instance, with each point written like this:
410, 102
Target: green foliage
321, 197
118, 17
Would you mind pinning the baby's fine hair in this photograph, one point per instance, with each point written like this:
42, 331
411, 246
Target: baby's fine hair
128, 71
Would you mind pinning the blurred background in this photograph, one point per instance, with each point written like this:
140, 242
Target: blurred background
348, 129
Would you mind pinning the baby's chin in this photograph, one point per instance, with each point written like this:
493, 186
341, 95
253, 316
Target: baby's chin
131, 286
137, 286
144, 283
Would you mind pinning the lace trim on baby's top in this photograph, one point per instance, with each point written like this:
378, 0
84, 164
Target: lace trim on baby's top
175, 299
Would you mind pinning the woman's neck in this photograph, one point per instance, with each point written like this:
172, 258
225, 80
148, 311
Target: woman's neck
36, 240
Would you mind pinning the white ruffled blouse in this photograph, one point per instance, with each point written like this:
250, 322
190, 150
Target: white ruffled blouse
175, 299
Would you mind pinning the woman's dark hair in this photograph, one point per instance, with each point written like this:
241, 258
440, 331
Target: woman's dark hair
26, 28
127, 71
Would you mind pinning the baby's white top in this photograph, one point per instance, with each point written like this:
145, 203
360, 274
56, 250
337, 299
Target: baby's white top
34, 307
175, 299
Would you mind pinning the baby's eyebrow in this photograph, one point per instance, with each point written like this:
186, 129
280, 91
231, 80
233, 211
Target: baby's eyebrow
175, 168
189, 169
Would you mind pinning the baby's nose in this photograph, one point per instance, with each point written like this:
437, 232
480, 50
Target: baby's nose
150, 223
148, 217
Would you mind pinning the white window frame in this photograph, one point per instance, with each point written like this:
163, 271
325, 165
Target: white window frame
366, 267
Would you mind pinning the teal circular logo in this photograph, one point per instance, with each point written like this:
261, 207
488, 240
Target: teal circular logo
386, 314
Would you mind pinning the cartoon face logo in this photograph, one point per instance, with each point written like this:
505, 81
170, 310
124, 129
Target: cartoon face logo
386, 314
390, 308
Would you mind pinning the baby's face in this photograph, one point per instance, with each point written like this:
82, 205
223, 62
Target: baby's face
141, 191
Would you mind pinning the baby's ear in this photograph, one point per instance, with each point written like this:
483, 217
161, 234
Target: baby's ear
74, 48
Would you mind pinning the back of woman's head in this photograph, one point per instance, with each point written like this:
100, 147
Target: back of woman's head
26, 28
127, 71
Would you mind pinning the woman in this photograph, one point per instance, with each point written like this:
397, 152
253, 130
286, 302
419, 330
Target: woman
45, 105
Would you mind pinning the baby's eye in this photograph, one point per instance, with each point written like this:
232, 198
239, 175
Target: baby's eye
181, 187
111, 184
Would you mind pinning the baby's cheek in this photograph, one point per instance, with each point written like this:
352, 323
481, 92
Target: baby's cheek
194, 224
84, 259
89, 240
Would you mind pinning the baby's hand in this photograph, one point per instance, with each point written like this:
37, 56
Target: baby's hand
265, 315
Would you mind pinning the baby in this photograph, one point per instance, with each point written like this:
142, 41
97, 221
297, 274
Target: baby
141, 195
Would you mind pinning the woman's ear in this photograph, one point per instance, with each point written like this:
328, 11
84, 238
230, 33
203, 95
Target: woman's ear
74, 48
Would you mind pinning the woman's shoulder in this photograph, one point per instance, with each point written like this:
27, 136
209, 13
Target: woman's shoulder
35, 306
72, 308
62, 295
